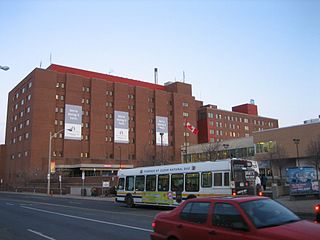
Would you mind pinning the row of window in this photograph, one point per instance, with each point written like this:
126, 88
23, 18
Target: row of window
245, 120
19, 138
189, 182
21, 125
23, 90
19, 155
22, 113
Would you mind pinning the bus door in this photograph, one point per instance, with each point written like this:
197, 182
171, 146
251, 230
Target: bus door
243, 177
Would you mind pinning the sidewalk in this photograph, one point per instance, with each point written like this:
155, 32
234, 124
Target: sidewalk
98, 198
302, 205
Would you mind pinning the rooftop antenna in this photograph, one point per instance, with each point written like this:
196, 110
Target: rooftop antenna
40, 63
156, 75
183, 77
251, 101
50, 58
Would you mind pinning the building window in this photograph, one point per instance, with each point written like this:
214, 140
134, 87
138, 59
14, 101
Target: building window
27, 122
28, 109
185, 104
30, 85
26, 136
61, 97
185, 114
57, 97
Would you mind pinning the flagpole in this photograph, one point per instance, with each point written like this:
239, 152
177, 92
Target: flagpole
185, 141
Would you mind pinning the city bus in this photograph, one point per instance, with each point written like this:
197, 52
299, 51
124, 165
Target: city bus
169, 185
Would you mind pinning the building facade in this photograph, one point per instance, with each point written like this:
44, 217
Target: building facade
216, 125
94, 122
277, 149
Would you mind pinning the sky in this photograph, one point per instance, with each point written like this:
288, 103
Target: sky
230, 51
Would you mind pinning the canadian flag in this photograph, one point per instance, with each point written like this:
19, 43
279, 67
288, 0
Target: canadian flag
191, 128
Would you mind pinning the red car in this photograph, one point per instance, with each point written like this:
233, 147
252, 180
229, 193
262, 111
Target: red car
226, 218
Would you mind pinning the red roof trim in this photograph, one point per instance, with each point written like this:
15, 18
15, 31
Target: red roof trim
90, 74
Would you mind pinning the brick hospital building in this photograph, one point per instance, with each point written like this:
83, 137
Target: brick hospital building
99, 123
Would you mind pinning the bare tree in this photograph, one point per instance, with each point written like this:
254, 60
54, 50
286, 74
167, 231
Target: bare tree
211, 150
279, 155
313, 150
276, 155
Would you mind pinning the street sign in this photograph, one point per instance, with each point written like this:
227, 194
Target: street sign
60, 178
105, 184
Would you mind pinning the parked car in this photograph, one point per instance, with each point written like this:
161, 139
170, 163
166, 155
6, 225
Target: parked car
227, 218
317, 212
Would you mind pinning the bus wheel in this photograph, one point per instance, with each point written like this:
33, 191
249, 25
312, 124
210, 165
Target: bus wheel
191, 196
129, 201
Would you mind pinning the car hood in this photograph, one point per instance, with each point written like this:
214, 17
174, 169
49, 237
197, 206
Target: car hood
298, 230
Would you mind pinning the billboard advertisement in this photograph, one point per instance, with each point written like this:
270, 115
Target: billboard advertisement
162, 129
121, 127
302, 180
72, 122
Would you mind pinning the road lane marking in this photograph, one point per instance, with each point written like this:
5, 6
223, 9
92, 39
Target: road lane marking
40, 234
88, 219
10, 204
82, 208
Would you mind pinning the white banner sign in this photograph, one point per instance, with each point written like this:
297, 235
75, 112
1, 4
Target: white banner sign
121, 127
72, 122
162, 131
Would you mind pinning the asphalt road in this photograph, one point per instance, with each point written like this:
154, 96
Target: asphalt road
41, 217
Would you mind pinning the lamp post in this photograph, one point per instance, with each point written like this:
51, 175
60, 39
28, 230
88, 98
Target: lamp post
225, 145
5, 68
120, 158
51, 136
296, 142
161, 135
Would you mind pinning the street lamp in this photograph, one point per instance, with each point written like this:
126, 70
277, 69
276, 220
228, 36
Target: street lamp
51, 136
120, 157
5, 68
296, 142
225, 145
161, 135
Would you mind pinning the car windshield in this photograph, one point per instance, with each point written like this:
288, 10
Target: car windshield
268, 213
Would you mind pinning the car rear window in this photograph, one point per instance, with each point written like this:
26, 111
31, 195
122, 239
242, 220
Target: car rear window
196, 212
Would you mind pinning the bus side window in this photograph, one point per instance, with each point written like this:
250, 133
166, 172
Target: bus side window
206, 179
217, 179
177, 182
192, 182
139, 184
226, 179
151, 183
130, 183
163, 182
121, 184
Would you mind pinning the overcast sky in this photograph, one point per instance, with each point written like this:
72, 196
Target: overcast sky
230, 51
